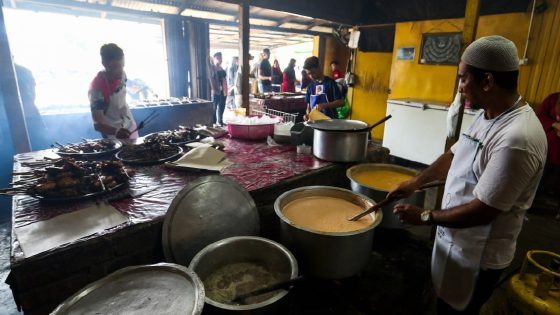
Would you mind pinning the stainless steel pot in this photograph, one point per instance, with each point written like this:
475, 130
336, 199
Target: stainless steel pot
323, 254
389, 219
273, 256
341, 140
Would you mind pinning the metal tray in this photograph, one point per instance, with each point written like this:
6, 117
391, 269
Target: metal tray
207, 210
147, 137
117, 146
152, 162
151, 289
81, 197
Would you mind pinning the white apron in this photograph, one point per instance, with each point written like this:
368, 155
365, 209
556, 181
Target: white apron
118, 114
457, 253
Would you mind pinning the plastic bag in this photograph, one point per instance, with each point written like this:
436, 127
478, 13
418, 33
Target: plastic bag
343, 111
453, 115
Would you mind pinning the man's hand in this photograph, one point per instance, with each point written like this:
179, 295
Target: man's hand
408, 213
122, 133
403, 190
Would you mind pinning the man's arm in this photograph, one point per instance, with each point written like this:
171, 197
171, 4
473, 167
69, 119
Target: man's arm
100, 125
437, 171
333, 104
471, 214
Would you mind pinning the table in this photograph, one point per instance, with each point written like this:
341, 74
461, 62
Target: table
39, 283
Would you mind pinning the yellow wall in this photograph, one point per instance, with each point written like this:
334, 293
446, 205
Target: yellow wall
409, 79
369, 99
334, 50
542, 76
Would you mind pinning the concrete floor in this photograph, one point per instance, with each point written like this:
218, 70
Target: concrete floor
356, 296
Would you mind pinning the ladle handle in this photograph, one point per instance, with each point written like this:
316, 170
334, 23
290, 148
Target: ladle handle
380, 122
387, 201
274, 287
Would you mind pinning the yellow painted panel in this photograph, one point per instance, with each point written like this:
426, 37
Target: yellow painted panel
369, 100
316, 46
544, 50
410, 79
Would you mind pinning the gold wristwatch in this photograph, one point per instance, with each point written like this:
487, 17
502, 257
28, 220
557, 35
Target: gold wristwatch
426, 217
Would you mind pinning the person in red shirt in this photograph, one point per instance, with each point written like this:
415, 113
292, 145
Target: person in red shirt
336, 74
549, 115
289, 79
107, 95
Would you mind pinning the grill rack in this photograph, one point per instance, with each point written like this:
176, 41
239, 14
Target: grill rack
263, 110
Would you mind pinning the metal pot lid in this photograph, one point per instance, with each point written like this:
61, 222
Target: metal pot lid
338, 125
151, 289
207, 210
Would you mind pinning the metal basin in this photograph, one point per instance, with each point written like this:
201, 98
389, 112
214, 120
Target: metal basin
269, 254
327, 255
389, 219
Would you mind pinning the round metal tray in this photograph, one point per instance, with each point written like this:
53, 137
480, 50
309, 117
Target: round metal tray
93, 155
207, 210
151, 162
147, 137
151, 289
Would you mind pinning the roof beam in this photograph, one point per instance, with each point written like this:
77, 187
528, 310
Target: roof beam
86, 6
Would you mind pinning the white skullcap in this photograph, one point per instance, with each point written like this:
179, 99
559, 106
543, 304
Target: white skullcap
494, 53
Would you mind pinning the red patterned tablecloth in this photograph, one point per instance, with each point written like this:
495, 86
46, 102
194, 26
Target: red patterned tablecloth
256, 165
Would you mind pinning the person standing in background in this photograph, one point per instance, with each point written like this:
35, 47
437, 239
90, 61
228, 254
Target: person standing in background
218, 85
276, 76
231, 79
254, 74
107, 96
35, 126
336, 74
322, 92
549, 116
265, 73
289, 77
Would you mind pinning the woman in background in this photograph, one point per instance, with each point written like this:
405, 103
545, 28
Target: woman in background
289, 78
276, 76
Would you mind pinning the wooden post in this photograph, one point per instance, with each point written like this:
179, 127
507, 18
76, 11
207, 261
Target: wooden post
469, 33
9, 90
244, 53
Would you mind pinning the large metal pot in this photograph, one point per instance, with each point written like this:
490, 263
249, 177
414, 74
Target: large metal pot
271, 255
341, 140
323, 254
389, 219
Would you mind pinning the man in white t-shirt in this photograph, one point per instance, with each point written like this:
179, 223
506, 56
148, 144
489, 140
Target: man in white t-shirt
492, 174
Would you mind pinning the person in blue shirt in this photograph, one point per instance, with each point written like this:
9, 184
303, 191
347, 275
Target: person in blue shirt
322, 92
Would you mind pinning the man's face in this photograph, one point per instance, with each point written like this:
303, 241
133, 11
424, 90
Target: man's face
333, 67
265, 56
114, 68
314, 73
469, 88
218, 60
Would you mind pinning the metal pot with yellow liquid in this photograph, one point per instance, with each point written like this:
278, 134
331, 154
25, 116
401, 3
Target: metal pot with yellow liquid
376, 180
